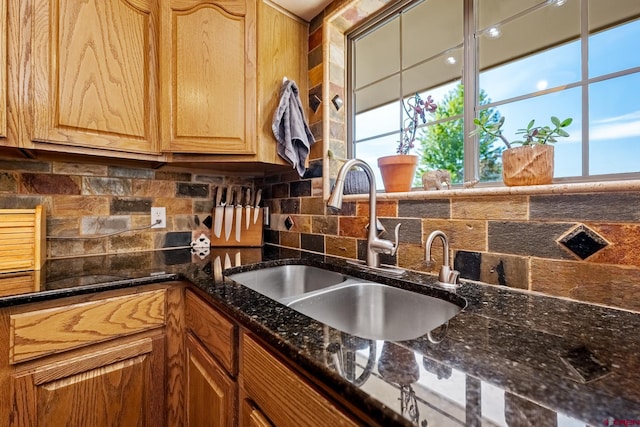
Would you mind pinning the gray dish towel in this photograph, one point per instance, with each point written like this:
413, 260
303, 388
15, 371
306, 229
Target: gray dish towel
290, 128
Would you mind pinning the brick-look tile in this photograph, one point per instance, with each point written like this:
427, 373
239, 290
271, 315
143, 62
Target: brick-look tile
495, 269
131, 242
24, 165
271, 236
324, 225
411, 257
8, 182
59, 248
187, 189
353, 226
439, 208
174, 239
63, 226
624, 242
342, 246
595, 283
410, 229
60, 168
301, 223
129, 205
80, 205
50, 184
312, 206
605, 207
123, 172
528, 238
494, 207
290, 206
106, 186
312, 242
348, 209
173, 176
384, 208
279, 191
290, 239
175, 206
468, 235
92, 225
300, 188
24, 202
153, 188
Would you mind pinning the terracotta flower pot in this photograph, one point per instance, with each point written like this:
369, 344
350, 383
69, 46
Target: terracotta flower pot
527, 165
398, 172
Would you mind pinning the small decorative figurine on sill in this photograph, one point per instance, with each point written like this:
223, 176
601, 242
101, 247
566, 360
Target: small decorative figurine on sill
436, 179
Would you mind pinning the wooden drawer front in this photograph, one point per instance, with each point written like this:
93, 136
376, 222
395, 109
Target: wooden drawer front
19, 283
37, 333
22, 234
215, 332
284, 397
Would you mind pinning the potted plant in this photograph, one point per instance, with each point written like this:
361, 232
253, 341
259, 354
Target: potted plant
531, 163
398, 170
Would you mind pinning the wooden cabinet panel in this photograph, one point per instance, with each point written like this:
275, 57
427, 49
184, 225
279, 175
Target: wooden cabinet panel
250, 416
284, 397
95, 73
4, 24
211, 394
215, 332
78, 325
115, 387
209, 76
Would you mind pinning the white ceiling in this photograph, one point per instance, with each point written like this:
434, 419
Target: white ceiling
305, 9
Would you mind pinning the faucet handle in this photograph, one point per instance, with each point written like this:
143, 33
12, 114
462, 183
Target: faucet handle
395, 244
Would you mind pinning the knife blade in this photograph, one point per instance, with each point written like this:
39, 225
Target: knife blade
228, 213
218, 212
256, 206
238, 213
247, 205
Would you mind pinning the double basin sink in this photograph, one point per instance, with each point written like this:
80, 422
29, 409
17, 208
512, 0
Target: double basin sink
359, 307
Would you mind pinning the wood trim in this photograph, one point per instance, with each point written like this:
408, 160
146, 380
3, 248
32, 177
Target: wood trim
175, 360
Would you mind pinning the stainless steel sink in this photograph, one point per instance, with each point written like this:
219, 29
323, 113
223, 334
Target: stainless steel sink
288, 280
375, 311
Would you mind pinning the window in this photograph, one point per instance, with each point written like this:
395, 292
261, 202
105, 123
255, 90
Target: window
523, 60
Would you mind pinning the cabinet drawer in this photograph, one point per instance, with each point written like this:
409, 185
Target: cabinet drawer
271, 385
42, 332
215, 332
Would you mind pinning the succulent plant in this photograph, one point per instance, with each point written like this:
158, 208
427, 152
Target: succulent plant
531, 134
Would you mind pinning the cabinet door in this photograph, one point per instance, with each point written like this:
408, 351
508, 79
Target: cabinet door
120, 386
208, 76
211, 395
251, 416
95, 74
3, 71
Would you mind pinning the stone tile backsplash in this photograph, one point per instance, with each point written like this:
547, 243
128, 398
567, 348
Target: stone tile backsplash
579, 246
87, 203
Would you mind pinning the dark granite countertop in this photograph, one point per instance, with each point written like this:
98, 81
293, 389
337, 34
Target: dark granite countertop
509, 358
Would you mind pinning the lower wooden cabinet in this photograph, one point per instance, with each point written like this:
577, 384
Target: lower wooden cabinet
119, 386
210, 393
269, 392
94, 360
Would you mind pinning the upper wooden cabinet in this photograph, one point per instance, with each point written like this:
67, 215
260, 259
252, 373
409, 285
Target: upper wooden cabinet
94, 79
208, 71
222, 70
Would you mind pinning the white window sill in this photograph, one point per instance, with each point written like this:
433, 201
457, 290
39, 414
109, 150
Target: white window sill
566, 188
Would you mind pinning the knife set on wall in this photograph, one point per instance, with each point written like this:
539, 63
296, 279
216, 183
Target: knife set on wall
237, 217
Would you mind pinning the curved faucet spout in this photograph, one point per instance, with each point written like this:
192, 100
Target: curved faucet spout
447, 276
375, 246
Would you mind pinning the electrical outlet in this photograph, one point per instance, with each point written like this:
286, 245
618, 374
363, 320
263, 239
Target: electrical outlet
159, 214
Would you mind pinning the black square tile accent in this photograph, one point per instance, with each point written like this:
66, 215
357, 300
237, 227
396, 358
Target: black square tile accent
288, 222
271, 236
177, 238
207, 221
314, 170
312, 242
468, 264
300, 188
583, 242
314, 101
